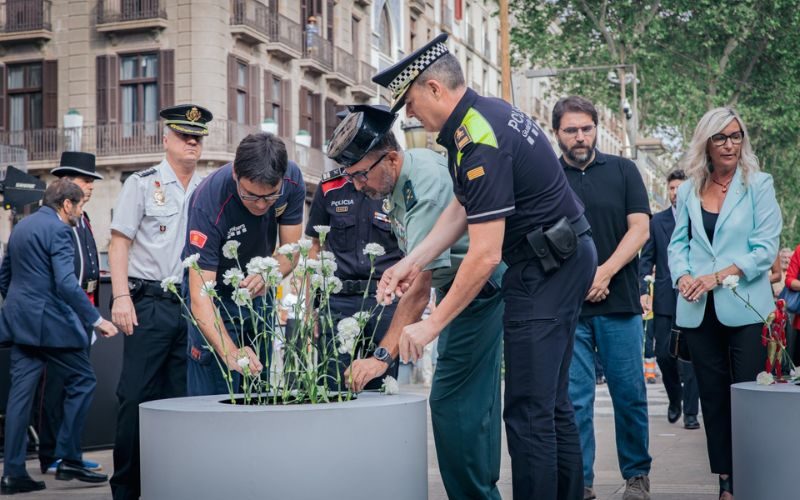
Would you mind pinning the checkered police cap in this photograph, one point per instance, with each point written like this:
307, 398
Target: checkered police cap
399, 77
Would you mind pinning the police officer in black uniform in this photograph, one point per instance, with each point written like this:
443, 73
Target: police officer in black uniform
355, 220
513, 197
80, 169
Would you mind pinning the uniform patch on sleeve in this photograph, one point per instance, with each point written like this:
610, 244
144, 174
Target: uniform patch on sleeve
197, 238
408, 195
380, 216
475, 173
279, 210
462, 137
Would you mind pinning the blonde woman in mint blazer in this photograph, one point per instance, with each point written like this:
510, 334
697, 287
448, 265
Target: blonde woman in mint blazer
727, 223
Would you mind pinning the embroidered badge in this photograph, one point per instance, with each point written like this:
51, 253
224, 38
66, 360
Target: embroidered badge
197, 238
193, 114
279, 210
408, 195
462, 137
387, 205
475, 173
158, 194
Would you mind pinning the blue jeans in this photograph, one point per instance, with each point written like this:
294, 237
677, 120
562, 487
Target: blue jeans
618, 339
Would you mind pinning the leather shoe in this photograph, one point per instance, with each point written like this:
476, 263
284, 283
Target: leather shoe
673, 413
690, 422
68, 471
10, 485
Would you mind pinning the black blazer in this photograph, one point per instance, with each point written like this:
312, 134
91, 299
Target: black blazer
655, 253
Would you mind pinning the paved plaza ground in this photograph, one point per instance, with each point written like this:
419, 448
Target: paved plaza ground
680, 465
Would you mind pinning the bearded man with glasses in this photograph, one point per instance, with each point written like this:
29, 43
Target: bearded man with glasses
256, 201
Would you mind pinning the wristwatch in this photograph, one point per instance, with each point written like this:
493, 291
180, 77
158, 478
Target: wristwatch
382, 354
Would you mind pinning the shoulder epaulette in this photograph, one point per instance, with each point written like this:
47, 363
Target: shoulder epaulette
145, 173
332, 184
333, 174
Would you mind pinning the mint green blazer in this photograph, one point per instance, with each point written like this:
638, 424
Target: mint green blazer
747, 235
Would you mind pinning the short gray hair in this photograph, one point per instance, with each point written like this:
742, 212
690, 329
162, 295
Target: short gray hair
445, 70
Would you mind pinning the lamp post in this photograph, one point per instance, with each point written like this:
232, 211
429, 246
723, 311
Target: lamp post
620, 69
415, 134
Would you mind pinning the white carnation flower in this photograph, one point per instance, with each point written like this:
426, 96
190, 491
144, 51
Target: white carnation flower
334, 285
241, 297
362, 316
274, 277
347, 328
317, 281
765, 378
322, 231
169, 284
649, 279
233, 277
243, 362
288, 250
731, 282
374, 250
326, 255
191, 261
262, 265
390, 386
328, 267
230, 250
208, 289
304, 244
313, 264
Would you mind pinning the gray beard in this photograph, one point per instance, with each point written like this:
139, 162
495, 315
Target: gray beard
581, 158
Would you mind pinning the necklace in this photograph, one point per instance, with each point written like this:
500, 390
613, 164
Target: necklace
723, 185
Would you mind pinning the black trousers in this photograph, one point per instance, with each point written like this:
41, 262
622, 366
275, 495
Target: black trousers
540, 318
153, 367
678, 376
722, 355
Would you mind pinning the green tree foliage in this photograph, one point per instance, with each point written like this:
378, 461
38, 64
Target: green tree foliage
691, 55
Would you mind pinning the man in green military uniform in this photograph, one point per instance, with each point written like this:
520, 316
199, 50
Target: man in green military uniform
465, 396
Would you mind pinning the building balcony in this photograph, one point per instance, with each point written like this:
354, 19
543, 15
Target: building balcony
285, 38
364, 87
117, 16
417, 6
23, 21
362, 3
250, 21
345, 68
317, 54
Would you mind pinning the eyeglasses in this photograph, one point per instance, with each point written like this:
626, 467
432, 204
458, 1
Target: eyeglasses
719, 140
361, 175
573, 131
255, 197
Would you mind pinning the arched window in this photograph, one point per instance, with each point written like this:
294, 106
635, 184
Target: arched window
385, 31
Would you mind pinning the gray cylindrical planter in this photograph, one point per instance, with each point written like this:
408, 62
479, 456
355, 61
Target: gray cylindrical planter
199, 448
765, 437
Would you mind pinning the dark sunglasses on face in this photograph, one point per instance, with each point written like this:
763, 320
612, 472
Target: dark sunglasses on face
255, 197
720, 139
361, 175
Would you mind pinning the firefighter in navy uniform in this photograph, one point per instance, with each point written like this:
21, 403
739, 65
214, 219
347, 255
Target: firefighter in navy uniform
513, 197
355, 220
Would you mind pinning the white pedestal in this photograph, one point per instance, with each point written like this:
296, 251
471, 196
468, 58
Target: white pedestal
766, 438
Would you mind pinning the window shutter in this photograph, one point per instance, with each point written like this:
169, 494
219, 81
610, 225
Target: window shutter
316, 118
113, 88
166, 78
232, 88
329, 17
268, 96
101, 77
2, 97
50, 94
254, 95
286, 109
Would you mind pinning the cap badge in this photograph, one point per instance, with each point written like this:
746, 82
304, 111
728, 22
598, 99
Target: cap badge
193, 114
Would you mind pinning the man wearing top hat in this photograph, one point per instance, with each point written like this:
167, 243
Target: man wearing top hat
512, 196
79, 168
465, 395
147, 236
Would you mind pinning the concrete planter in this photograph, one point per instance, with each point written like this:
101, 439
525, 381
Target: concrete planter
766, 437
200, 448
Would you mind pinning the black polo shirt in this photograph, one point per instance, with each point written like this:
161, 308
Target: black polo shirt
355, 220
503, 166
611, 188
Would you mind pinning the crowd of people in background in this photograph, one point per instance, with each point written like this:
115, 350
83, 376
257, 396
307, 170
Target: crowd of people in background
501, 247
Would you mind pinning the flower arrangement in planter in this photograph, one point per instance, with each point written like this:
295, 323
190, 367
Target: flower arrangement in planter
773, 336
305, 375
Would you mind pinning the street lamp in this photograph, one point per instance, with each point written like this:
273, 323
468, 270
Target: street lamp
416, 137
634, 122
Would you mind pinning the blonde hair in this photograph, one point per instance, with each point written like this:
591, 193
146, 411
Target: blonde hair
696, 161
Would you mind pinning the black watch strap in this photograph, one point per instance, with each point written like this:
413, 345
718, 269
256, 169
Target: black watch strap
382, 354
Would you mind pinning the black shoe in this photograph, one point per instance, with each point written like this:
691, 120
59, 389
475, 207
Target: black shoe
10, 485
68, 471
673, 413
45, 463
690, 422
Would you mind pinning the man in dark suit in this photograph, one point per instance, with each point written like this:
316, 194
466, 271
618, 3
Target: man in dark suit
79, 168
673, 371
43, 317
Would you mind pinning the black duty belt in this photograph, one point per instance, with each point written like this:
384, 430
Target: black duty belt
148, 288
524, 251
358, 287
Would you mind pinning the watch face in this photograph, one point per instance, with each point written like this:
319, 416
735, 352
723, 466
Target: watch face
382, 354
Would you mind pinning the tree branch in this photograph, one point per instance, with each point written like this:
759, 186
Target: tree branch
642, 24
748, 71
600, 24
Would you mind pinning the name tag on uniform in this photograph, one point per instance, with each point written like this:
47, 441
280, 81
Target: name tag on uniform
91, 286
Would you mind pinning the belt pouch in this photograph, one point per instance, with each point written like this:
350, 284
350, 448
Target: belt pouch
562, 239
541, 249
